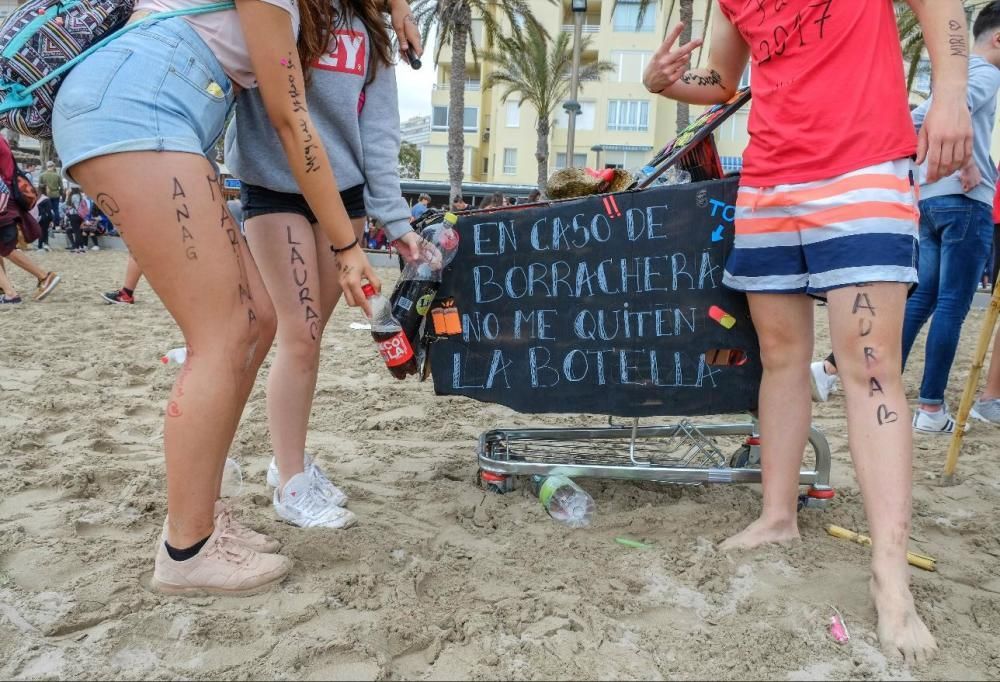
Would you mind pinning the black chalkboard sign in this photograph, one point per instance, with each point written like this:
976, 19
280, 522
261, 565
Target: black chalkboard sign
609, 304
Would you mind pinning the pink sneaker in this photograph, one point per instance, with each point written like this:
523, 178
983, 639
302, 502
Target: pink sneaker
223, 566
247, 537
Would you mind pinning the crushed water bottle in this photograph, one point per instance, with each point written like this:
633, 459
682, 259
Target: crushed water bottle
232, 479
564, 500
175, 355
674, 176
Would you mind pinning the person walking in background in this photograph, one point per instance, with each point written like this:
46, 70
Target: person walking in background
45, 221
126, 294
51, 184
420, 208
827, 206
11, 217
353, 103
458, 203
74, 217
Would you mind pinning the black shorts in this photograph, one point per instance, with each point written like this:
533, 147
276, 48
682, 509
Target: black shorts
259, 200
8, 239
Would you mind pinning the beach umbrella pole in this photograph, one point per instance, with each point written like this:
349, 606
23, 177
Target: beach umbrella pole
985, 339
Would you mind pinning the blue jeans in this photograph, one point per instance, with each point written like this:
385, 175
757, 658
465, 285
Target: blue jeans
955, 238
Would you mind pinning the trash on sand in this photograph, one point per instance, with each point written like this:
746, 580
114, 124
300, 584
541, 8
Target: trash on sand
634, 544
361, 326
838, 628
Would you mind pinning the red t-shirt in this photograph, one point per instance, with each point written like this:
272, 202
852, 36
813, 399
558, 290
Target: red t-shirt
996, 204
828, 89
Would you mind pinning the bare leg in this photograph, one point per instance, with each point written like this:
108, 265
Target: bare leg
22, 261
170, 211
784, 325
866, 326
298, 270
5, 282
132, 274
992, 390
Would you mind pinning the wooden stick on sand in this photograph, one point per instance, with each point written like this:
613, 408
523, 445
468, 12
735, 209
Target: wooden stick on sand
962, 418
928, 563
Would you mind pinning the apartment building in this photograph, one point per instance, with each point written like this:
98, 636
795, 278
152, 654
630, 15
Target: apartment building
620, 124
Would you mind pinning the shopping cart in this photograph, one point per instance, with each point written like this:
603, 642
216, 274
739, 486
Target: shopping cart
685, 452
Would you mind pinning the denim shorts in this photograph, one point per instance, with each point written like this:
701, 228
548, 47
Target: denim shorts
259, 200
856, 228
155, 88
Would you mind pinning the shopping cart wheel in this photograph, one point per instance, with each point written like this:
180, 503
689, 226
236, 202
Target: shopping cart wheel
500, 484
747, 455
816, 498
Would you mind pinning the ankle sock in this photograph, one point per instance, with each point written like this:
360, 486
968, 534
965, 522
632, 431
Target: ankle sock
185, 554
128, 291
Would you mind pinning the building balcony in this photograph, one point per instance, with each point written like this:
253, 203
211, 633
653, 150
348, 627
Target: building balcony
470, 86
587, 28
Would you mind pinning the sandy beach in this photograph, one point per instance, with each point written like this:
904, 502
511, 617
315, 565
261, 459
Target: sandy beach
439, 580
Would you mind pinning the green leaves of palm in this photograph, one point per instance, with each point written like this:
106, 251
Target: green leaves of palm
447, 14
538, 68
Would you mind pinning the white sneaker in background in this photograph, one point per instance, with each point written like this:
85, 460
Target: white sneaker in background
986, 411
303, 503
95, 247
939, 422
823, 384
337, 496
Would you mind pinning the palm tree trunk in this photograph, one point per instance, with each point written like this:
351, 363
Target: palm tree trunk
456, 102
687, 16
542, 151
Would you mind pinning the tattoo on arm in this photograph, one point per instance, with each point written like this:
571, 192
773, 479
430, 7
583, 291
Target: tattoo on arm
713, 78
957, 40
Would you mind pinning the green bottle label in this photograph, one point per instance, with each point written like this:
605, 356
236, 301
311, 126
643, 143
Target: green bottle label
549, 488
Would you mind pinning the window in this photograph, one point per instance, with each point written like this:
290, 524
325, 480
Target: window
579, 160
626, 17
486, 166
509, 161
584, 119
513, 114
629, 65
628, 114
439, 120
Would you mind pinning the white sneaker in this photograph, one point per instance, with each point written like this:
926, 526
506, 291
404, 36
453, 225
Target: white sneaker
95, 248
304, 504
337, 496
939, 422
823, 384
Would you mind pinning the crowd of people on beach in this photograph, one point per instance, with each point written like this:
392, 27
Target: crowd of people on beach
844, 196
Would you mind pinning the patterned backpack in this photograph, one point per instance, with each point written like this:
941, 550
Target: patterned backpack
43, 39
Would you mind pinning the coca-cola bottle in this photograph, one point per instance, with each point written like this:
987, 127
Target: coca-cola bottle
420, 280
392, 343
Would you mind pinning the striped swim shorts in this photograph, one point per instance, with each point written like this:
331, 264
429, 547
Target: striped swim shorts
811, 237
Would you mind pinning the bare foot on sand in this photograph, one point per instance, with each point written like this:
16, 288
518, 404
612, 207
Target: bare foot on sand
900, 630
763, 532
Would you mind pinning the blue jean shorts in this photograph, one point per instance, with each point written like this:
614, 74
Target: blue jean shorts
155, 88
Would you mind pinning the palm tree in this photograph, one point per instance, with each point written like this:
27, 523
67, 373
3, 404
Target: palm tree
453, 20
538, 69
687, 16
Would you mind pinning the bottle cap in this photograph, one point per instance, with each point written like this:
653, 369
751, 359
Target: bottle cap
451, 218
368, 290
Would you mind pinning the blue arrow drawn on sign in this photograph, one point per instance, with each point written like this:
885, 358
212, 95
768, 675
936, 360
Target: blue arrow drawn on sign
717, 234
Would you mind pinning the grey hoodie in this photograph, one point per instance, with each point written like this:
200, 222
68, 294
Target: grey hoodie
359, 126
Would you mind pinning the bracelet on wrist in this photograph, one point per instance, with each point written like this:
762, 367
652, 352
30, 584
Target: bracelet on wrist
346, 248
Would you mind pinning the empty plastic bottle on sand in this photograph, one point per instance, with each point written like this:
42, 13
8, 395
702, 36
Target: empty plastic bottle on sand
564, 500
232, 479
178, 355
